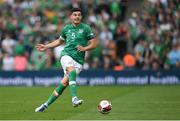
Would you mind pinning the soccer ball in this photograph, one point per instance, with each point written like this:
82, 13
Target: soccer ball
104, 106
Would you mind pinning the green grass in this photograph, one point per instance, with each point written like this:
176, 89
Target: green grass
129, 102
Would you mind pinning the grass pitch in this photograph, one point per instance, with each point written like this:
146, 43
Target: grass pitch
129, 102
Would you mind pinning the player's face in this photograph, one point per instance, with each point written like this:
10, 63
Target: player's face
76, 17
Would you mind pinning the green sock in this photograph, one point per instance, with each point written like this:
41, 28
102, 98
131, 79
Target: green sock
72, 83
58, 91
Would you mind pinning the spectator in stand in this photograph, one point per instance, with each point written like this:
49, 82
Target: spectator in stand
105, 37
174, 56
20, 60
129, 61
8, 44
7, 62
20, 63
1, 58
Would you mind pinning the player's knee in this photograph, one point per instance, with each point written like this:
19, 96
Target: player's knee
55, 93
64, 81
70, 69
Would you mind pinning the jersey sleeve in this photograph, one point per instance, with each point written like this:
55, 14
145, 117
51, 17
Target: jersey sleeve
89, 34
62, 34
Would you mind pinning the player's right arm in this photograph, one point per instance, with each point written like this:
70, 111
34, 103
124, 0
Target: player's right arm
55, 43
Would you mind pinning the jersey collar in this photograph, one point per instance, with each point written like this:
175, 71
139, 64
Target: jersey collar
76, 26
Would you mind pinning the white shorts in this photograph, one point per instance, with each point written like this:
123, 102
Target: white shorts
67, 61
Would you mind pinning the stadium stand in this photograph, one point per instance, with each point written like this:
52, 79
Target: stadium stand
149, 35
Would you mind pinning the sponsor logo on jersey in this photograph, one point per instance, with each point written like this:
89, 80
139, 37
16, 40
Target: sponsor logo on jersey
91, 34
80, 31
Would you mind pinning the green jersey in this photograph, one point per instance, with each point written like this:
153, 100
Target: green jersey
74, 36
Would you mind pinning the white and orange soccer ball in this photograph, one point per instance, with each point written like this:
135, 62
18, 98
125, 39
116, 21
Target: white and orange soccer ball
104, 106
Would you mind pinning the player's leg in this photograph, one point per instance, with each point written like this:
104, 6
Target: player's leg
71, 69
72, 80
56, 93
73, 87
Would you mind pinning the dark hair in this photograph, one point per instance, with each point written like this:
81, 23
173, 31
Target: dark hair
75, 10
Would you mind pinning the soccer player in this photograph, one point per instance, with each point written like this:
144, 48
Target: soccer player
78, 38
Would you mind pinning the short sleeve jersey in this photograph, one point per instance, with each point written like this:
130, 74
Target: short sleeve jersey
74, 36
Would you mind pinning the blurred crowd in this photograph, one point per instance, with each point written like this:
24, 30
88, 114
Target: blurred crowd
148, 39
155, 33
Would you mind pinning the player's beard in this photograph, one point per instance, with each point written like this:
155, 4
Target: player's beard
77, 21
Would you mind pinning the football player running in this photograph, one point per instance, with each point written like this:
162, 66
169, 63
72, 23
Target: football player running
78, 38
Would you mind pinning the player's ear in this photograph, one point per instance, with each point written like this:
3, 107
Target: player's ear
69, 15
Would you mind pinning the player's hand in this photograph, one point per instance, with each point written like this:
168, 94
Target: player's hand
41, 47
81, 48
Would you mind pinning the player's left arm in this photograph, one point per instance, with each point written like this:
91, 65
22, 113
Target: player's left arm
92, 44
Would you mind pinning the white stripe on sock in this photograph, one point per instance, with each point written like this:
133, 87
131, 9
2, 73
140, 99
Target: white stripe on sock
72, 82
55, 93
